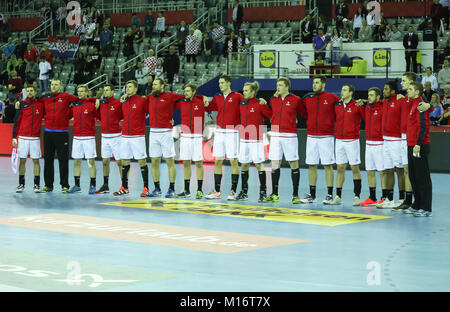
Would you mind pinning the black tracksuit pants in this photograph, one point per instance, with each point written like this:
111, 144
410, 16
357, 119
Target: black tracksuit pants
59, 142
419, 175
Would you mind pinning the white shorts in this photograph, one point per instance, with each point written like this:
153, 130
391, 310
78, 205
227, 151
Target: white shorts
374, 155
84, 147
133, 147
347, 151
111, 143
392, 153
283, 143
161, 143
319, 150
226, 143
404, 149
191, 147
29, 145
251, 151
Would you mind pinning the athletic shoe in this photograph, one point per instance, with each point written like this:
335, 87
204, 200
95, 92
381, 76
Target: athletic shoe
199, 195
295, 199
380, 202
170, 194
20, 188
47, 190
386, 203
410, 210
213, 195
328, 200
242, 196
262, 196
422, 213
103, 190
91, 189
336, 201
183, 194
308, 199
155, 193
271, 199
401, 207
232, 195
36, 188
144, 192
65, 190
121, 191
368, 202
74, 189
356, 201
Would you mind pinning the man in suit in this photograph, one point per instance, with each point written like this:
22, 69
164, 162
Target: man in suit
238, 14
307, 29
410, 43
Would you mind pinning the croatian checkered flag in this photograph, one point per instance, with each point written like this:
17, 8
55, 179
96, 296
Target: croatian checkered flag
14, 160
62, 46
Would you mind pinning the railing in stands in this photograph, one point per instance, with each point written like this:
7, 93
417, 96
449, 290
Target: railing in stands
124, 66
42, 28
94, 83
139, 6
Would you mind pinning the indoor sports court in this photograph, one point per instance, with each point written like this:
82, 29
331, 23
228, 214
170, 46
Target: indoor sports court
89, 243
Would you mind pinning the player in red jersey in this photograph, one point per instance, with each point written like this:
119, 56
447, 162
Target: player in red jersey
26, 136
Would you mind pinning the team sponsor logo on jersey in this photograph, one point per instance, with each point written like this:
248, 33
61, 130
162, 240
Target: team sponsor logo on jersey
325, 102
112, 108
252, 110
86, 111
134, 106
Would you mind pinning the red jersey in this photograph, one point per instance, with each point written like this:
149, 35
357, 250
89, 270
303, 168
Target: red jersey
320, 113
374, 119
84, 114
284, 113
418, 126
31, 55
405, 108
48, 56
228, 109
252, 117
348, 120
192, 115
392, 117
161, 109
111, 115
57, 111
29, 120
134, 109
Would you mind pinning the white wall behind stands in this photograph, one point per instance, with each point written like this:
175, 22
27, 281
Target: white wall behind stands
294, 59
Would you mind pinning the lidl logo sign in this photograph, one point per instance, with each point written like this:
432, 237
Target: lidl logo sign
381, 57
267, 59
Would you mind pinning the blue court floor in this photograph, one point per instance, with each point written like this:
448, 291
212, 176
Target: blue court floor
81, 242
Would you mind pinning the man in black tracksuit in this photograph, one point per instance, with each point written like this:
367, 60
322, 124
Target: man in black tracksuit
171, 64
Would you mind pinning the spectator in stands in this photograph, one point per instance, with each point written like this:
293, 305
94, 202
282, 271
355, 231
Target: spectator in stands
218, 36
357, 21
231, 46
90, 27
45, 12
444, 75
89, 70
437, 114
307, 29
15, 83
12, 63
192, 46
128, 41
5, 30
431, 78
61, 14
365, 10
141, 74
341, 12
336, 46
430, 34
365, 33
445, 98
129, 73
182, 33
96, 59
138, 38
238, 15
393, 34
135, 20
159, 71
9, 48
197, 33
44, 74
106, 40
97, 36
150, 62
31, 71
381, 34
437, 13
321, 23
79, 65
149, 23
20, 68
161, 24
320, 44
171, 64
427, 91
3, 69
207, 45
410, 43
446, 7
36, 87
208, 30
347, 33
243, 43
30, 53
148, 86
47, 53
21, 48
